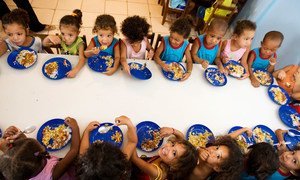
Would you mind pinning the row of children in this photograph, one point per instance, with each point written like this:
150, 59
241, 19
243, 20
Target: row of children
207, 48
26, 158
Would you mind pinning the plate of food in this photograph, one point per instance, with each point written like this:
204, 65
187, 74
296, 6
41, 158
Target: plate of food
22, 58
148, 134
215, 77
235, 69
54, 134
113, 136
278, 95
243, 140
199, 135
139, 71
176, 72
101, 62
264, 77
289, 116
295, 141
262, 133
56, 68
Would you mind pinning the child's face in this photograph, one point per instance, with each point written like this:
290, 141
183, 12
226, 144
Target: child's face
176, 39
105, 37
171, 152
16, 33
269, 47
245, 39
217, 155
290, 160
68, 33
214, 37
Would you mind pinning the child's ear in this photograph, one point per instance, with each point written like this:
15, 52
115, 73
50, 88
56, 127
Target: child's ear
27, 31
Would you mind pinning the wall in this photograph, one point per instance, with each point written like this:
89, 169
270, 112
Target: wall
280, 15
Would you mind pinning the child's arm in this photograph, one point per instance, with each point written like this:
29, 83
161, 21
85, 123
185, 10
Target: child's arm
189, 64
219, 62
124, 57
157, 59
194, 54
61, 167
167, 131
254, 81
281, 147
85, 141
223, 57
281, 73
80, 63
91, 49
51, 40
244, 63
3, 47
296, 96
113, 69
238, 132
150, 50
131, 135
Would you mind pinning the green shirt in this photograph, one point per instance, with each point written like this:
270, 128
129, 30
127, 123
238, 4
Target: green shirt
73, 49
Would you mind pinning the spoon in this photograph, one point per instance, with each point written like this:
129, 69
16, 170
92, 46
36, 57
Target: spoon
290, 133
286, 143
28, 130
105, 129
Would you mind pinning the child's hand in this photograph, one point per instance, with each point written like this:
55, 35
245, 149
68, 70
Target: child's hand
150, 54
72, 123
297, 75
54, 39
205, 64
282, 146
244, 76
92, 125
272, 61
109, 71
166, 131
72, 73
96, 50
223, 70
126, 68
281, 75
248, 131
123, 120
255, 82
204, 154
185, 76
165, 67
10, 131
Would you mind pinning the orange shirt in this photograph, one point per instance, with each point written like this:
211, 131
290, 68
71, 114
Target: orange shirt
288, 82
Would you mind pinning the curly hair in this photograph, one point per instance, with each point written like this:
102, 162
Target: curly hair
103, 161
182, 26
232, 166
18, 16
185, 165
135, 28
274, 35
21, 160
243, 25
107, 22
72, 20
262, 160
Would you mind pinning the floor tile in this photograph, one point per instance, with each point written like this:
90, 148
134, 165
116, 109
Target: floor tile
88, 19
152, 1
138, 9
9, 2
93, 6
115, 7
88, 33
44, 15
158, 27
69, 4
44, 4
58, 14
119, 18
155, 10
139, 1
11, 7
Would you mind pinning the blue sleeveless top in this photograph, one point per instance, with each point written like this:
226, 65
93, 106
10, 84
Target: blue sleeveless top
260, 62
206, 53
173, 54
110, 48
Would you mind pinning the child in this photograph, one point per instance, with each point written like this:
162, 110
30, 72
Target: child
135, 43
69, 40
26, 158
238, 47
265, 56
289, 79
103, 160
175, 160
175, 46
15, 25
105, 28
221, 160
205, 48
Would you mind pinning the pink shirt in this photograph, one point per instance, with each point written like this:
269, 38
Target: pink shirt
131, 54
233, 55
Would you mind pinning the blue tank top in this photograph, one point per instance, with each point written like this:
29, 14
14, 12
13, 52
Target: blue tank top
260, 62
173, 54
275, 176
110, 48
205, 53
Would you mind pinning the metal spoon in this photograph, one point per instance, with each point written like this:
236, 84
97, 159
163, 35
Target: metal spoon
28, 130
290, 133
105, 129
286, 143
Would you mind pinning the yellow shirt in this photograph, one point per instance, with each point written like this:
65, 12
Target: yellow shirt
219, 12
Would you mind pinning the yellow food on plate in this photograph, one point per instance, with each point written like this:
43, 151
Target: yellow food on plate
242, 143
261, 136
262, 77
279, 96
109, 60
235, 70
59, 136
177, 70
117, 137
199, 139
134, 66
150, 144
26, 58
51, 69
295, 119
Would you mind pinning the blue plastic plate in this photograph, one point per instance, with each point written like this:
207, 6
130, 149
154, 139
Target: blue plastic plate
215, 77
235, 69
14, 63
146, 132
170, 74
0, 133
113, 136
54, 123
101, 62
282, 98
63, 66
138, 71
242, 139
264, 77
267, 134
289, 116
294, 140
199, 135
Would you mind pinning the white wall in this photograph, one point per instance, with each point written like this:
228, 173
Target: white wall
280, 15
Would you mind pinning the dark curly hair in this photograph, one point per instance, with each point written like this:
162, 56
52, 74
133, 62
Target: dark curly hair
135, 28
182, 26
103, 161
232, 166
219, 24
107, 22
274, 35
18, 16
74, 20
262, 160
243, 25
